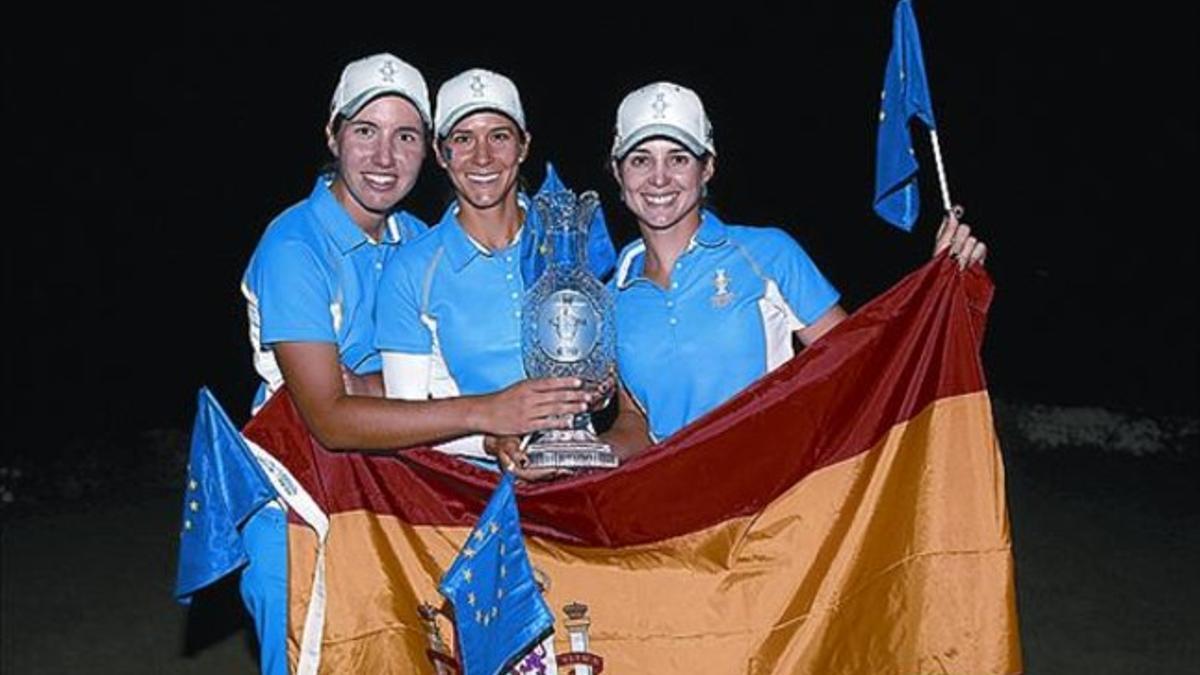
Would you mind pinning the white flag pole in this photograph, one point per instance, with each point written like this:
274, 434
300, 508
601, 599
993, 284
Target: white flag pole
941, 170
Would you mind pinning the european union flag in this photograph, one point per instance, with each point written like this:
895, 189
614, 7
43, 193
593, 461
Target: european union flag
601, 254
905, 96
225, 486
498, 608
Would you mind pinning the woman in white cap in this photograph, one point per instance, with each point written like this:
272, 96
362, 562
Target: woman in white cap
724, 299
449, 319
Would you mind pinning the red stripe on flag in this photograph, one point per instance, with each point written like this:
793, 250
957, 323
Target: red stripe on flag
915, 344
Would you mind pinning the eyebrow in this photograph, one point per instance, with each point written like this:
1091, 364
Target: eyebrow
503, 126
368, 123
673, 152
508, 128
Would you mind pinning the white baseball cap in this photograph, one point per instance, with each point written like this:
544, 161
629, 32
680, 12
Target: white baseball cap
663, 109
474, 90
365, 79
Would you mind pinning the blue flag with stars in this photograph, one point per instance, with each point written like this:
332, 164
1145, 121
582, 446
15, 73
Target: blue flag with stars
498, 608
905, 96
225, 485
601, 254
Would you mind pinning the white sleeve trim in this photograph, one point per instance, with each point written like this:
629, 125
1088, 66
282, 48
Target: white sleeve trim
406, 376
779, 322
419, 377
467, 446
264, 357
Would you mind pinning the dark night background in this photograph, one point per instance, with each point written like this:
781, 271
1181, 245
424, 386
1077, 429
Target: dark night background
144, 164
145, 152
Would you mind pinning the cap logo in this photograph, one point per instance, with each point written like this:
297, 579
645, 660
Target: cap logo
388, 71
660, 106
477, 86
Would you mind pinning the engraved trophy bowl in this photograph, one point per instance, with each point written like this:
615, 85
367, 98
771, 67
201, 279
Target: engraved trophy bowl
568, 328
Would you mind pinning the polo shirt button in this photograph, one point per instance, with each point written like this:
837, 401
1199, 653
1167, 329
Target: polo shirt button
674, 284
378, 265
670, 303
508, 276
517, 313
514, 295
673, 321
508, 258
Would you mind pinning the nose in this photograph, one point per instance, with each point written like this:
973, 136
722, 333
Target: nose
483, 152
381, 154
658, 175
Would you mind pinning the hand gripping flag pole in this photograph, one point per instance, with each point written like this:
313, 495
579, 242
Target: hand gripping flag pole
905, 96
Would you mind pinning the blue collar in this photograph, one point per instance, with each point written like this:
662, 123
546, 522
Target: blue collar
460, 248
345, 232
712, 231
711, 234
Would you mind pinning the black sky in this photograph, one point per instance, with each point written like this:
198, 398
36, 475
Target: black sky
144, 162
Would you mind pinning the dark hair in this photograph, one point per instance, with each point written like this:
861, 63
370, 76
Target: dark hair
339, 119
520, 131
703, 156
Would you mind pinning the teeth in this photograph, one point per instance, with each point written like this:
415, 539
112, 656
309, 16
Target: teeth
485, 178
659, 200
379, 181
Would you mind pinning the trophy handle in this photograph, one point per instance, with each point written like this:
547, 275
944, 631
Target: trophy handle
587, 204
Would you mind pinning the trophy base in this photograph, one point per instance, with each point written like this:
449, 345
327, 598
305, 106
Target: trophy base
570, 449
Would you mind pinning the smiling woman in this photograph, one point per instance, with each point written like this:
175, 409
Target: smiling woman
379, 154
449, 317
482, 156
729, 301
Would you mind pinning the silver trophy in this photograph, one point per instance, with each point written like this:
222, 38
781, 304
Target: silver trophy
568, 328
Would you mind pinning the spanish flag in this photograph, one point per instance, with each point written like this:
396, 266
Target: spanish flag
845, 514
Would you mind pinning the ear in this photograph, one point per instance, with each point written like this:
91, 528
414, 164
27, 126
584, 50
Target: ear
710, 168
525, 147
437, 152
615, 167
331, 140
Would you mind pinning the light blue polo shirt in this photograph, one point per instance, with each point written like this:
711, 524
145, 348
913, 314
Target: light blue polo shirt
313, 278
735, 297
446, 295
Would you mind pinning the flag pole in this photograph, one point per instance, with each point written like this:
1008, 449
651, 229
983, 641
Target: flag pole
941, 170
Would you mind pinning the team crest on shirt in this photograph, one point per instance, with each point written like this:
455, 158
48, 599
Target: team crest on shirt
723, 296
